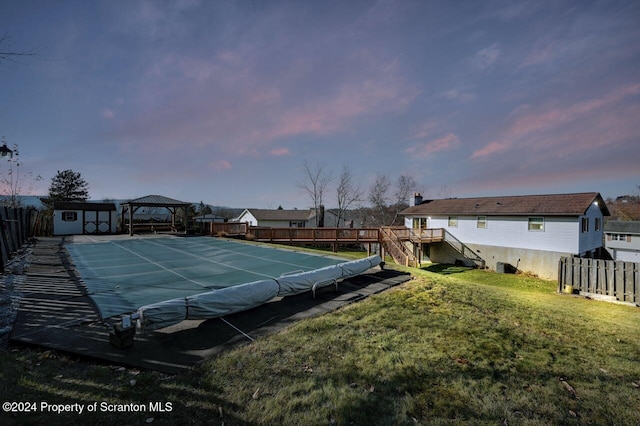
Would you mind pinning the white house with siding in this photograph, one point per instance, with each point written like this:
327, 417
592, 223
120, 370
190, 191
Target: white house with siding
622, 240
77, 218
529, 232
279, 218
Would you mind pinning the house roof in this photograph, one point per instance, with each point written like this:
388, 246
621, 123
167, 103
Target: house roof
518, 205
83, 205
280, 214
622, 227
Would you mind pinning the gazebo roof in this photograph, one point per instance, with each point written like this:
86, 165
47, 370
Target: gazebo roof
156, 201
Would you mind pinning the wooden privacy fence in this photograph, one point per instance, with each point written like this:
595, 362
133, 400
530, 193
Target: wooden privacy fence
16, 226
613, 280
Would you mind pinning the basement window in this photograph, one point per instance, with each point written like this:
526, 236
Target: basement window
69, 216
536, 224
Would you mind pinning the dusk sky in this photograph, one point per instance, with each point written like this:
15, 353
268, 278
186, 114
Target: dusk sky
223, 101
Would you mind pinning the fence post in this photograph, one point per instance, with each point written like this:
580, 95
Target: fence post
560, 274
636, 282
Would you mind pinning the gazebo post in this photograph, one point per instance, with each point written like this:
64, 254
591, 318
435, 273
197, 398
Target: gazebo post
131, 221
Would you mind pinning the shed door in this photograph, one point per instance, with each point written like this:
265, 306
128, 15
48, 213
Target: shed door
97, 222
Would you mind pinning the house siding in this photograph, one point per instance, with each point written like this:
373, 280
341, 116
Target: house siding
627, 250
62, 227
246, 216
505, 236
559, 234
87, 221
592, 239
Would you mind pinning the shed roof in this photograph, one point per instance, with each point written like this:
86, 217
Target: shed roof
518, 205
83, 205
622, 227
281, 214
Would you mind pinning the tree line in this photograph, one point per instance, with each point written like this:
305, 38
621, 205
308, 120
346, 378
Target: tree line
377, 205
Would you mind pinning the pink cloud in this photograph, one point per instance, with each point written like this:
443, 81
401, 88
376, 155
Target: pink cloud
550, 126
333, 113
490, 149
279, 152
486, 57
220, 165
108, 114
445, 143
539, 55
459, 95
224, 100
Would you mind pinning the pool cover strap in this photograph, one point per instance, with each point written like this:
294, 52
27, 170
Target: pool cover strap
225, 301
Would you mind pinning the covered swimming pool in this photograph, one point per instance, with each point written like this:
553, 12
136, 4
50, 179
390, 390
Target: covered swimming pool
168, 279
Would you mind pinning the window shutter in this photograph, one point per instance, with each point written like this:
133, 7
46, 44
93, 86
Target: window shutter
608, 237
628, 238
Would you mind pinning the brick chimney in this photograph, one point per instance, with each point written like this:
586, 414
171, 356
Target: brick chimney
415, 200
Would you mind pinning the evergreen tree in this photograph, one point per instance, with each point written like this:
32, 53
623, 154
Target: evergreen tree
68, 186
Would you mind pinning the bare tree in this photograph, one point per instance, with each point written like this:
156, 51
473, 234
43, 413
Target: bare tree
405, 185
445, 192
9, 54
379, 199
348, 194
386, 208
15, 182
315, 180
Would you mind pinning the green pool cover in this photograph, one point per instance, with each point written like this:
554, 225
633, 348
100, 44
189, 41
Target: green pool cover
123, 275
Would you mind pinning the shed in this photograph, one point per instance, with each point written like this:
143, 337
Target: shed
83, 217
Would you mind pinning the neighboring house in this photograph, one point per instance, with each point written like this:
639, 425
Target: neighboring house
75, 218
279, 218
529, 232
347, 220
623, 240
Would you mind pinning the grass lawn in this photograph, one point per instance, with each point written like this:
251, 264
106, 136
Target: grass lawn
452, 346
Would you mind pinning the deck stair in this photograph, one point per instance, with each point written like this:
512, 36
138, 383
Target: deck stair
463, 249
392, 238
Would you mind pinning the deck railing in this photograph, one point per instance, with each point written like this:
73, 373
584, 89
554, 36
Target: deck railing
393, 238
352, 235
229, 228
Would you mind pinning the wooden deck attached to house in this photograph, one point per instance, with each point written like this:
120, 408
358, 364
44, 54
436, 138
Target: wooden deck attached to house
429, 235
325, 235
390, 239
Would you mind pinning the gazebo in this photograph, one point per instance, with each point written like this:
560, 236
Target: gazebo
131, 206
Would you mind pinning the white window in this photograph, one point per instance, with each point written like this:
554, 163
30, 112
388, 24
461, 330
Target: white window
482, 222
419, 223
69, 216
536, 224
619, 237
453, 221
